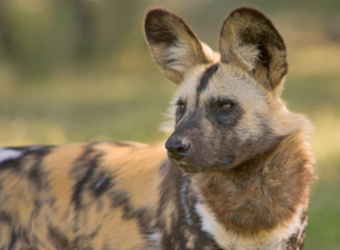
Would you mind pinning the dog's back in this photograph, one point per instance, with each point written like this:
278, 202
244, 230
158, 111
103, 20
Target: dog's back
81, 196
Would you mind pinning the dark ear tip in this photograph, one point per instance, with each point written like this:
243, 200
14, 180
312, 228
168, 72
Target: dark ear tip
155, 13
252, 17
157, 10
248, 15
248, 11
157, 26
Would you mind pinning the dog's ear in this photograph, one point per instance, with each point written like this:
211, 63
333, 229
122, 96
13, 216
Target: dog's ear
249, 39
173, 44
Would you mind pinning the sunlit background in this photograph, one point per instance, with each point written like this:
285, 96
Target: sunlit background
79, 71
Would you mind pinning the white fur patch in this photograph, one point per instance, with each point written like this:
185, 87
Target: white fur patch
155, 237
154, 241
273, 240
183, 197
9, 154
180, 57
248, 55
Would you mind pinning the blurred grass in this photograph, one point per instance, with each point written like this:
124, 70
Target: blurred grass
123, 95
83, 107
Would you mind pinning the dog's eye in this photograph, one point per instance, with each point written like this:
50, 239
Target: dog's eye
182, 107
180, 111
226, 106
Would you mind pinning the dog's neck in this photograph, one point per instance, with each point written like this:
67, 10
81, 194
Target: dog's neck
262, 193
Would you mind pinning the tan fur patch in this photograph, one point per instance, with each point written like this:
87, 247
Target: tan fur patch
59, 178
127, 237
140, 179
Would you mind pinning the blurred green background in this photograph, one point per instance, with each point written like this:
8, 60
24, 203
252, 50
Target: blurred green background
79, 71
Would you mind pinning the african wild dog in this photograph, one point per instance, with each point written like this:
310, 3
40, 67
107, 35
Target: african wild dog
236, 173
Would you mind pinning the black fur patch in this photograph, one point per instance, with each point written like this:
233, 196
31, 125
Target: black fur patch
84, 163
62, 242
122, 200
5, 217
158, 27
225, 118
59, 240
167, 242
13, 243
23, 235
11, 164
37, 208
36, 174
208, 73
157, 30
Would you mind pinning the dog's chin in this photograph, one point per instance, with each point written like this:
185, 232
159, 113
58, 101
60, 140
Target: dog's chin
218, 166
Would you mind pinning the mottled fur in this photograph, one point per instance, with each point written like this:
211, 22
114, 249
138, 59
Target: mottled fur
237, 175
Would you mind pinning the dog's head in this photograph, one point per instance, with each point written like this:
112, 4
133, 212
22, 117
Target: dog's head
227, 108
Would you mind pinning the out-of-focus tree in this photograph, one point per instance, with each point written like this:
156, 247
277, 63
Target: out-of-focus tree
6, 43
101, 26
59, 33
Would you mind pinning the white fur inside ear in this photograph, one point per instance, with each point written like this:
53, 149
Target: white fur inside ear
180, 57
248, 55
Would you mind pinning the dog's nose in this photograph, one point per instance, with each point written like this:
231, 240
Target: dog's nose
177, 148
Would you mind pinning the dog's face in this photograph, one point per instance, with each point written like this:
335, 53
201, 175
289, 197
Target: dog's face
224, 106
219, 120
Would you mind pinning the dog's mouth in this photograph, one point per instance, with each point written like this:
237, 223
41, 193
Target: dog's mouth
217, 166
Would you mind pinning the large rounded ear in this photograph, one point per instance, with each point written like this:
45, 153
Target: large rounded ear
173, 44
250, 40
